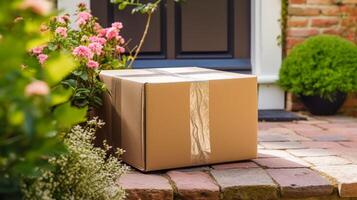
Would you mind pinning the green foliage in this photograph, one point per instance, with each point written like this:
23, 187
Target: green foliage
84, 173
283, 22
322, 65
28, 127
138, 6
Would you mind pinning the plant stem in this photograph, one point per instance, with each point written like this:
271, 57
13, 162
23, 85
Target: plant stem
142, 40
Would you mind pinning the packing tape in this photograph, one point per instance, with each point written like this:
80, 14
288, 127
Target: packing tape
199, 121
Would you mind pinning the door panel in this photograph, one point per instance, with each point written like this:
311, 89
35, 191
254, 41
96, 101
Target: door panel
204, 26
134, 25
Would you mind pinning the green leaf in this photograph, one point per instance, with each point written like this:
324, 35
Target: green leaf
60, 95
58, 67
38, 41
67, 116
122, 6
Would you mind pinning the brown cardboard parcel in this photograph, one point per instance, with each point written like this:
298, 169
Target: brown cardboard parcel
179, 117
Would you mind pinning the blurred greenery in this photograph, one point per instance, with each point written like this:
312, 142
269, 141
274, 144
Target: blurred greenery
30, 123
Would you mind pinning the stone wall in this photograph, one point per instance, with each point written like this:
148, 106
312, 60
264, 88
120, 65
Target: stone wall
308, 18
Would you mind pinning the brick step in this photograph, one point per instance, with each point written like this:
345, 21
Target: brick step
243, 180
314, 159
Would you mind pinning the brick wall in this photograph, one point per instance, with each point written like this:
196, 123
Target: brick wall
307, 18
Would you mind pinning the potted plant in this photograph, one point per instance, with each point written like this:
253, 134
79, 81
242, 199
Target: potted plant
321, 71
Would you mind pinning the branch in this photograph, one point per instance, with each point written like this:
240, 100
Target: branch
142, 39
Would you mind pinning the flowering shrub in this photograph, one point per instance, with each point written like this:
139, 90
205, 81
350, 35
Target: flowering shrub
33, 108
87, 166
94, 48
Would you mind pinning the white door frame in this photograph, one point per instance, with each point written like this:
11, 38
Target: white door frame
266, 54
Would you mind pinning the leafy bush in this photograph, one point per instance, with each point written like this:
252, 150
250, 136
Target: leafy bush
33, 108
321, 65
94, 48
84, 173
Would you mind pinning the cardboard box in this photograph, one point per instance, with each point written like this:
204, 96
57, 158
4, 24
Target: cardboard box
179, 117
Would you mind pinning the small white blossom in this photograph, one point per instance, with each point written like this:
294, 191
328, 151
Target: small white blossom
86, 172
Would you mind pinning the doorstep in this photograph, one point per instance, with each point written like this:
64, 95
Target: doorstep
295, 161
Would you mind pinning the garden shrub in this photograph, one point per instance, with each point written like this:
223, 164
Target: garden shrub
84, 173
34, 110
93, 47
321, 65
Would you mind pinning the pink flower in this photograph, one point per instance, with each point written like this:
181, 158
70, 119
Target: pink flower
117, 25
121, 40
83, 18
96, 47
37, 50
62, 31
97, 27
120, 49
83, 51
84, 15
42, 58
100, 40
81, 22
63, 19
41, 7
111, 33
102, 32
92, 64
43, 27
37, 88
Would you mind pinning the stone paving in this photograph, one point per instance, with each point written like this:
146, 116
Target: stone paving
313, 159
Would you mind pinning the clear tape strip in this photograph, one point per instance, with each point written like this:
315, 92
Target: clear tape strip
199, 121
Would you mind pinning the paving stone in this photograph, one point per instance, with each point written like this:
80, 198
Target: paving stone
301, 127
322, 145
310, 152
338, 119
268, 125
349, 144
280, 135
312, 122
326, 160
347, 153
282, 145
281, 163
345, 176
267, 153
300, 183
337, 138
145, 187
195, 169
296, 137
272, 138
337, 125
237, 165
310, 133
194, 185
244, 184
343, 131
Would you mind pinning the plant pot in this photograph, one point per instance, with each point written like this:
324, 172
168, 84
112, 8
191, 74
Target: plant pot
320, 106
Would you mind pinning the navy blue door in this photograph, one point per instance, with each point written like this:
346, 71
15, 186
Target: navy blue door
200, 33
